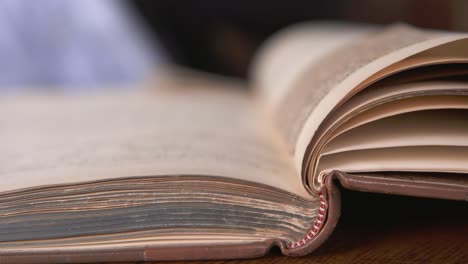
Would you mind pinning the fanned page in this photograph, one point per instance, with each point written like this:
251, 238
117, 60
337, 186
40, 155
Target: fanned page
368, 99
190, 162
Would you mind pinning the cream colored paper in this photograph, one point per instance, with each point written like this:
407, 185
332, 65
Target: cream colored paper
423, 128
422, 159
59, 139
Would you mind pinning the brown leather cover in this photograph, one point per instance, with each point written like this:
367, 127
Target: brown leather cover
429, 185
425, 186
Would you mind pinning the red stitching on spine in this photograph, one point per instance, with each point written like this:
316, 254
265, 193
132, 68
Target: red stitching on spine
315, 227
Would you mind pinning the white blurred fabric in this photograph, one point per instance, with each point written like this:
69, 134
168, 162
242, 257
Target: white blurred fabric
72, 44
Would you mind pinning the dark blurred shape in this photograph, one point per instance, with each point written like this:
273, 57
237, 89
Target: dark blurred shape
422, 13
222, 36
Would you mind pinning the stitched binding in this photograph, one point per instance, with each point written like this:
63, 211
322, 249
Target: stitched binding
317, 224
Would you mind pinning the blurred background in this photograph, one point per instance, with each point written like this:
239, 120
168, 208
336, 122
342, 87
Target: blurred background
222, 36
83, 44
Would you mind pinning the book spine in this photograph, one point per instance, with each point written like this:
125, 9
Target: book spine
327, 217
319, 220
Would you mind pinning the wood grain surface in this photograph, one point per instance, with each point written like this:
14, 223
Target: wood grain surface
377, 228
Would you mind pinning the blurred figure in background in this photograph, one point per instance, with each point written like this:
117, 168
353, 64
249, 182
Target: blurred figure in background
72, 45
223, 36
88, 44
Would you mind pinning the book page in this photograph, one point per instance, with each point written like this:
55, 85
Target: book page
447, 159
402, 106
286, 56
328, 80
421, 128
392, 99
205, 128
380, 94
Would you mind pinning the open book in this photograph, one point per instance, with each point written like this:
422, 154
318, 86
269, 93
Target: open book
196, 168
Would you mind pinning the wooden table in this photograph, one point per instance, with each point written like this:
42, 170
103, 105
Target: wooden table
378, 228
